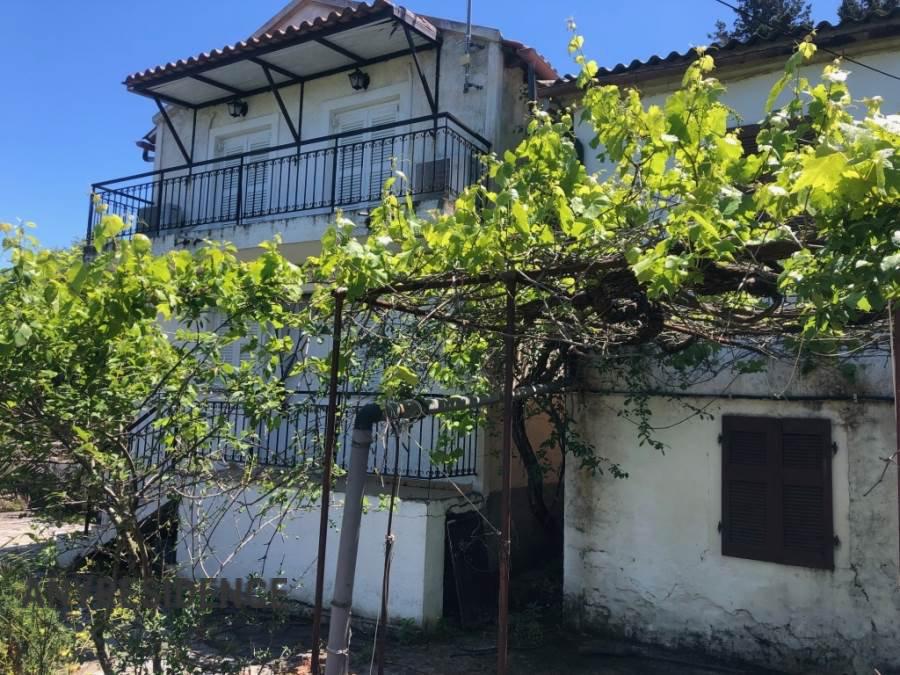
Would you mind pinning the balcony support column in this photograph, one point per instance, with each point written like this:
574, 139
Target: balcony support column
193, 140
437, 81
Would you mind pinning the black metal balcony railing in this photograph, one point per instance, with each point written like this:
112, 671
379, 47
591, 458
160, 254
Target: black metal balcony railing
299, 438
436, 155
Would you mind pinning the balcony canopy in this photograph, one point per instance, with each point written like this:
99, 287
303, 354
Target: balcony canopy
342, 41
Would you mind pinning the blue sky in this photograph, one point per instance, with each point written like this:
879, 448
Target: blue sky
66, 120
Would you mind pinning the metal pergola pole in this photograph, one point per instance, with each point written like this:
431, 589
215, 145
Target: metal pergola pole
509, 349
328, 461
381, 628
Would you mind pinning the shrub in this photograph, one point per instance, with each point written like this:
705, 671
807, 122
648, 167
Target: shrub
33, 638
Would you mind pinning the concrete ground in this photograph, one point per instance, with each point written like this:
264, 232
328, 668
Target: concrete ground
20, 531
447, 659
457, 652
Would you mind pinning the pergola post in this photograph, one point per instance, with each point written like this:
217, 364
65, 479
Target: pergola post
509, 355
328, 461
366, 417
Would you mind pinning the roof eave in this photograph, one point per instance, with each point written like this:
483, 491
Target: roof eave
881, 27
335, 22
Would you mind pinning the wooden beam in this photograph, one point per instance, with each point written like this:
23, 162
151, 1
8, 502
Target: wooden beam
311, 77
276, 69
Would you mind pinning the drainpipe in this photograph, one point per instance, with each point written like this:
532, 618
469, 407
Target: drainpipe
339, 625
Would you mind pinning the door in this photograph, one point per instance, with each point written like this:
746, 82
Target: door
255, 174
364, 158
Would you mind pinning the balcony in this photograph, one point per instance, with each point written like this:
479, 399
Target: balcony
298, 438
437, 156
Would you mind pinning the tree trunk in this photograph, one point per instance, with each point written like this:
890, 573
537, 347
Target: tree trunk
534, 472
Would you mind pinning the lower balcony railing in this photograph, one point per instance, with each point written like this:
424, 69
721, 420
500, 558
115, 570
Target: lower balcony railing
299, 438
435, 155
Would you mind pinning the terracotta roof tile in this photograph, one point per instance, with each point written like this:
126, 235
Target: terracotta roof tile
251, 44
674, 58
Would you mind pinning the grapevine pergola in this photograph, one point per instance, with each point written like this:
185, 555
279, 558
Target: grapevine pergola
687, 253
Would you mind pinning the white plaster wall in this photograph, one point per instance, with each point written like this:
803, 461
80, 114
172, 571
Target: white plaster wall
290, 551
643, 554
868, 375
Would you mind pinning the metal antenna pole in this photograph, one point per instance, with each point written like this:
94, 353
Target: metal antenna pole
509, 341
328, 461
467, 82
468, 26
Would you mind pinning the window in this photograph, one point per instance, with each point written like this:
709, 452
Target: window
747, 134
776, 490
255, 172
364, 162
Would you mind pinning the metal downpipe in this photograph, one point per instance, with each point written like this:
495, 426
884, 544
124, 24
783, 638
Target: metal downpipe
338, 649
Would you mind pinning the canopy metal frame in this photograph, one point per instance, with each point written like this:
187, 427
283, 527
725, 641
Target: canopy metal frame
400, 20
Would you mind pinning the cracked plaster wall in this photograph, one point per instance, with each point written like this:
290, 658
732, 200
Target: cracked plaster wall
643, 554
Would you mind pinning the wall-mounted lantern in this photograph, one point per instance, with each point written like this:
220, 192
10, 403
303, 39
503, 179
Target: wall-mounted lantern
359, 80
238, 108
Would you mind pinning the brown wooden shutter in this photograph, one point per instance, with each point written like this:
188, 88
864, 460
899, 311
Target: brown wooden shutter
776, 490
806, 492
747, 135
749, 458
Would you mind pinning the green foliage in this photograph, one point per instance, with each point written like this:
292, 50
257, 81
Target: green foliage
856, 10
88, 347
34, 640
680, 244
764, 18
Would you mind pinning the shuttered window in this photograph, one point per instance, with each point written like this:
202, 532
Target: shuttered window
364, 159
776, 490
255, 173
747, 135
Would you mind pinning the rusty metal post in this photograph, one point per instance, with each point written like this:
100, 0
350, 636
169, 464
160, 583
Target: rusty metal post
328, 461
381, 633
509, 349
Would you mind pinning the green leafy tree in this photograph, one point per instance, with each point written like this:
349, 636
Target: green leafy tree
764, 18
855, 10
88, 348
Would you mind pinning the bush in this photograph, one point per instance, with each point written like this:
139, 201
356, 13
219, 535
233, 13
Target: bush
33, 638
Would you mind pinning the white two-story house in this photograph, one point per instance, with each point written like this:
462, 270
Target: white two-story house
271, 137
